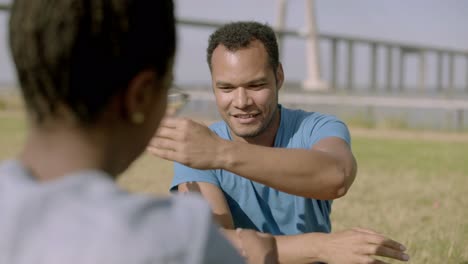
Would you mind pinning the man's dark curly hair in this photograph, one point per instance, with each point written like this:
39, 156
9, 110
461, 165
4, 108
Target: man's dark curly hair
81, 53
238, 35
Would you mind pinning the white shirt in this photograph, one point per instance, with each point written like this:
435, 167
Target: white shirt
85, 218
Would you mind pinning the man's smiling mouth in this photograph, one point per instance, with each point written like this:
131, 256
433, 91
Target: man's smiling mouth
244, 116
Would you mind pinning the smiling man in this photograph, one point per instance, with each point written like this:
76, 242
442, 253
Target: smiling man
267, 167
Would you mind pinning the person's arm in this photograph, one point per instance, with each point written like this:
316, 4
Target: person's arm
325, 171
350, 246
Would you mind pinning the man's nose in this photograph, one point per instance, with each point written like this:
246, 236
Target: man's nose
242, 98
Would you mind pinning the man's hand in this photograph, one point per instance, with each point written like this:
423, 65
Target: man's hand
257, 247
187, 142
358, 246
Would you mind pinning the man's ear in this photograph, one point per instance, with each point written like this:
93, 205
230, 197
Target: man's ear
139, 96
279, 76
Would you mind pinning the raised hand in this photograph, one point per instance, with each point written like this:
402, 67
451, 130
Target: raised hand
187, 142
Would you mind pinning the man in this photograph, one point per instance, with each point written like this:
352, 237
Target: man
95, 75
264, 166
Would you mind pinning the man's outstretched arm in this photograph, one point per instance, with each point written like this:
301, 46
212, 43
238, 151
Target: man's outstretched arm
351, 246
326, 171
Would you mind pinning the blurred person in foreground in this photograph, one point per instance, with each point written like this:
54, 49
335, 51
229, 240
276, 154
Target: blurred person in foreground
94, 76
267, 167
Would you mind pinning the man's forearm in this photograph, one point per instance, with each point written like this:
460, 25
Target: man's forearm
291, 249
310, 173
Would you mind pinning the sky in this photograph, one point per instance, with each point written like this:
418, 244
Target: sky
429, 22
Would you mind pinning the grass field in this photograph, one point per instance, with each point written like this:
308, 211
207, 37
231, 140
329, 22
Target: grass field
411, 186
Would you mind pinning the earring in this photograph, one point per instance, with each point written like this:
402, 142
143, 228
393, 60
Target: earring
138, 118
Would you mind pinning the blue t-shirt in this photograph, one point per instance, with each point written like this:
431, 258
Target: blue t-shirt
259, 207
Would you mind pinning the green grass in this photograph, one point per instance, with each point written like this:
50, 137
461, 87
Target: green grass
415, 192
412, 189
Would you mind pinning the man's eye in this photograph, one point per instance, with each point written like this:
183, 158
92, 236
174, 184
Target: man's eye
225, 88
257, 85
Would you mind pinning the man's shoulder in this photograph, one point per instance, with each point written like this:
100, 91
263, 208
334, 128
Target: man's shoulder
307, 116
300, 120
220, 128
306, 128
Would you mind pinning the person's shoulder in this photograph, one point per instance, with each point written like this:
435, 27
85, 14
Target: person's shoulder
309, 127
169, 228
10, 166
190, 203
169, 211
9, 170
186, 226
217, 125
311, 118
302, 117
184, 214
205, 243
15, 178
317, 117
156, 220
94, 214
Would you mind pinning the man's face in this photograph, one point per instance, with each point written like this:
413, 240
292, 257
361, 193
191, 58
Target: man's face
245, 88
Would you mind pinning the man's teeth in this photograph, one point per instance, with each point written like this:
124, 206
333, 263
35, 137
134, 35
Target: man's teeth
245, 116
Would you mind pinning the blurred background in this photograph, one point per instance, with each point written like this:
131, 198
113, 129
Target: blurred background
391, 63
395, 71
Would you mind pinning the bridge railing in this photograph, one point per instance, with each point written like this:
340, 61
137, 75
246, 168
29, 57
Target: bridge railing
391, 84
445, 73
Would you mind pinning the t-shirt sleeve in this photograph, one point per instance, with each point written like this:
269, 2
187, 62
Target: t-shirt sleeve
319, 127
183, 174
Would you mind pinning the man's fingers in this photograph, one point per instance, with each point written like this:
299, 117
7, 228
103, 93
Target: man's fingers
391, 253
384, 241
154, 142
166, 132
170, 122
383, 251
380, 245
379, 239
162, 153
163, 143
